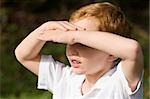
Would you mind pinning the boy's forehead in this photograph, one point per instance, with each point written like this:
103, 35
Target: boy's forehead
88, 23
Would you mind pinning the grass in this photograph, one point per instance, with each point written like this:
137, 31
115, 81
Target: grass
45, 95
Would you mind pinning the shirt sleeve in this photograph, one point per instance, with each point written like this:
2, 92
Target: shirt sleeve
139, 89
50, 73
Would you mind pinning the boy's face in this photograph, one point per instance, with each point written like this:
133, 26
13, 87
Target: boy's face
84, 59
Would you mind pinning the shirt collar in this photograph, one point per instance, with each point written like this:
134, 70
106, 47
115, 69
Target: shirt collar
102, 81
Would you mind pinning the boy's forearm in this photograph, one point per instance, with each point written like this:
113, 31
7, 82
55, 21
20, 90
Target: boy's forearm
54, 31
29, 48
111, 43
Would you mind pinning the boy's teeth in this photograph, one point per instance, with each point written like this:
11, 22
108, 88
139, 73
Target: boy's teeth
76, 62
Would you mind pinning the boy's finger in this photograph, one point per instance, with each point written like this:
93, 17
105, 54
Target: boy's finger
69, 27
41, 38
59, 27
53, 26
75, 26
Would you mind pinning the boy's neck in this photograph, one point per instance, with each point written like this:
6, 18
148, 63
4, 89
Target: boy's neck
92, 79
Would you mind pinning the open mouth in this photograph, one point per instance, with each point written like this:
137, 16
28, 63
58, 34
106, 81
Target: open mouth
75, 62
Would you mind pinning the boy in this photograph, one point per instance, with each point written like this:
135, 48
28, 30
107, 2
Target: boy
94, 38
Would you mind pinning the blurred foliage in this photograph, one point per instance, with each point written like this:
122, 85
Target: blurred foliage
19, 17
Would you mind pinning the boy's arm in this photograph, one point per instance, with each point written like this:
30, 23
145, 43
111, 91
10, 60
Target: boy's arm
128, 50
28, 51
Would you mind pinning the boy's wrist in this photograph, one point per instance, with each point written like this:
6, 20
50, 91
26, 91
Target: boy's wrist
74, 37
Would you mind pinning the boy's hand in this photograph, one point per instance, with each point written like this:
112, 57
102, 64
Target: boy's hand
58, 31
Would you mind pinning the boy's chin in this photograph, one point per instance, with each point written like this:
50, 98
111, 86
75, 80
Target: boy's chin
78, 72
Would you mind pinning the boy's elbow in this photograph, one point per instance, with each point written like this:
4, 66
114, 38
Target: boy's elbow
18, 55
135, 50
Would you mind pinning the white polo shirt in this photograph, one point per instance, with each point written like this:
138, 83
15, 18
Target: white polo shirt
64, 84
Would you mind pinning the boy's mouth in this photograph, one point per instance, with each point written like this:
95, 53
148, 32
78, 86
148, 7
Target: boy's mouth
75, 62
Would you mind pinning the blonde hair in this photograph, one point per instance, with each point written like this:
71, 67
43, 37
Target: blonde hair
110, 18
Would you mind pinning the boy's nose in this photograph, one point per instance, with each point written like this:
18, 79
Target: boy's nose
72, 50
